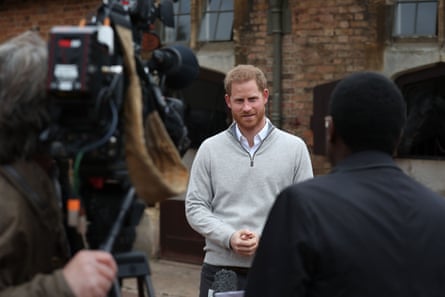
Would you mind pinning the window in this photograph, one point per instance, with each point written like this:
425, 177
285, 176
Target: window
216, 25
415, 18
424, 133
181, 31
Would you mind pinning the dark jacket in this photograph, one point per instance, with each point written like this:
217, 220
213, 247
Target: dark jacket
32, 242
366, 229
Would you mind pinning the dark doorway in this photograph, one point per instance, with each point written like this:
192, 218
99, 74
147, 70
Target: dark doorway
205, 115
424, 92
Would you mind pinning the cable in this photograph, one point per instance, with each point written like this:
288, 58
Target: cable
94, 145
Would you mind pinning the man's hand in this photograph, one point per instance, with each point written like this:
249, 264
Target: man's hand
244, 242
90, 273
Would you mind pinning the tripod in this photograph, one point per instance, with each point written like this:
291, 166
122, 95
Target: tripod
131, 264
135, 265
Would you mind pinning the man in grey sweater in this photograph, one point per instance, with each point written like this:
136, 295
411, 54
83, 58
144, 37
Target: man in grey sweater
236, 176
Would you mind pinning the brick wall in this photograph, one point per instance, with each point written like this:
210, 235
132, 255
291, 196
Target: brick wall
17, 16
328, 40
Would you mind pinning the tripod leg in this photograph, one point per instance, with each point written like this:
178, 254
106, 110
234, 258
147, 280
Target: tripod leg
135, 264
150, 288
145, 280
141, 288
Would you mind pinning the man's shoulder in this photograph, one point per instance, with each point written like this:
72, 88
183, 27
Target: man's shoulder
217, 138
214, 144
283, 135
320, 183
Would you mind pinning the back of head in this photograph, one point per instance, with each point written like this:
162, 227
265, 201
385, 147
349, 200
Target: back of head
368, 112
23, 70
243, 73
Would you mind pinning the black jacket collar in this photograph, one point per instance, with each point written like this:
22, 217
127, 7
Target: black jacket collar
365, 160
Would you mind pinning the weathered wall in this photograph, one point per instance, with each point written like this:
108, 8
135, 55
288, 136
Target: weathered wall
328, 40
17, 16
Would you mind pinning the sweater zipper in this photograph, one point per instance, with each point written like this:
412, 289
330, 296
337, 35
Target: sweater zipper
250, 157
253, 156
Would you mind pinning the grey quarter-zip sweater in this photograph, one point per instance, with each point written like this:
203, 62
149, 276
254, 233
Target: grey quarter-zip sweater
231, 190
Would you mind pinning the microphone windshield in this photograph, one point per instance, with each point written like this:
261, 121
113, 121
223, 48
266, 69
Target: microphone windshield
188, 69
178, 63
225, 280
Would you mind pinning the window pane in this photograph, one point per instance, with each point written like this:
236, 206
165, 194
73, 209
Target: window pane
212, 17
227, 5
224, 27
207, 27
216, 25
181, 31
185, 6
405, 17
176, 7
213, 5
203, 30
169, 34
183, 28
426, 19
414, 18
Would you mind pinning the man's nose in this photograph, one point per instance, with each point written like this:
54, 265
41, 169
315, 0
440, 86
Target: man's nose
246, 105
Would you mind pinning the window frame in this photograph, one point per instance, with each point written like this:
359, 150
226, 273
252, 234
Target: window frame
207, 21
399, 36
178, 13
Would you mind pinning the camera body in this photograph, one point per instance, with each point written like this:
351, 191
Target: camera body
87, 84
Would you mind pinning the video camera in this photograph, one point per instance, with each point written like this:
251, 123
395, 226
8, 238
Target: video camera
88, 83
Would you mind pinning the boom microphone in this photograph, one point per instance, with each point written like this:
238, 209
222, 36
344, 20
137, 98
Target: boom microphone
178, 62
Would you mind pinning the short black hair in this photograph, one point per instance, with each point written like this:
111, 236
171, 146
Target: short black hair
368, 111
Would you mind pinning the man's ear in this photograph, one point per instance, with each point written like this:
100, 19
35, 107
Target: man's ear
332, 141
266, 95
227, 99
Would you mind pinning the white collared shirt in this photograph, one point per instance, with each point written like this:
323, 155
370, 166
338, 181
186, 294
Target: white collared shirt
256, 140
